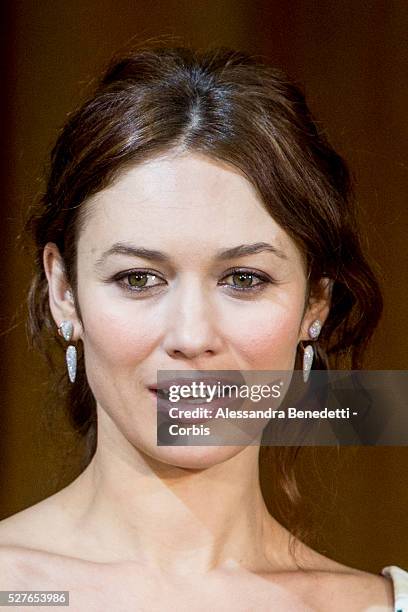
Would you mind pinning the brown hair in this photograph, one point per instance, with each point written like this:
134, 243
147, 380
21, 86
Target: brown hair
231, 107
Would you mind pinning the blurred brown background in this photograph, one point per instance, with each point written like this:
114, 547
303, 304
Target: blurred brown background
351, 57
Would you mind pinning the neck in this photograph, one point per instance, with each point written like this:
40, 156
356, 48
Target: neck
178, 520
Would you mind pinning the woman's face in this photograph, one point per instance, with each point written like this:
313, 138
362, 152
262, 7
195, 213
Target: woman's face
179, 306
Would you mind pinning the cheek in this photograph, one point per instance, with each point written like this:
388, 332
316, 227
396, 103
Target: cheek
117, 337
116, 343
268, 338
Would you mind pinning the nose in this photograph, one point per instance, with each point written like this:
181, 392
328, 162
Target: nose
192, 329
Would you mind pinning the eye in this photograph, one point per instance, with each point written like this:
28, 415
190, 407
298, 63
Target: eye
243, 280
137, 280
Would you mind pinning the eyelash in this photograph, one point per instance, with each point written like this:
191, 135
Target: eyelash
259, 286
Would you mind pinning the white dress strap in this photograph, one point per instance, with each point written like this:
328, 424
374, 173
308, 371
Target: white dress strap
399, 579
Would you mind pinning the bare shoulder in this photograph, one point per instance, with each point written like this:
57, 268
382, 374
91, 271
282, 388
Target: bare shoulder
22, 568
357, 590
9, 570
352, 590
28, 539
332, 585
20, 536
29, 527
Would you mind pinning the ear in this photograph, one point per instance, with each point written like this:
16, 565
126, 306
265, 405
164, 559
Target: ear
60, 293
318, 307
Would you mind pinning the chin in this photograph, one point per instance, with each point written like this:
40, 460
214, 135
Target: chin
193, 457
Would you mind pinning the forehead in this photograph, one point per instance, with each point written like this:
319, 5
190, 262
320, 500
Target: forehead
177, 201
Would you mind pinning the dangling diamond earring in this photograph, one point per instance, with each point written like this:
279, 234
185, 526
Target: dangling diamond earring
308, 354
66, 329
315, 329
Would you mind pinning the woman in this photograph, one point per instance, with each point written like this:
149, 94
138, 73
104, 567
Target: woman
194, 219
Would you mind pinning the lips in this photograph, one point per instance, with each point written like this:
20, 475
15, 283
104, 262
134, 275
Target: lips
188, 412
165, 384
195, 411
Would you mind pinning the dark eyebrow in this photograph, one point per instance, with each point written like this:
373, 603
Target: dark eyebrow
249, 249
123, 248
